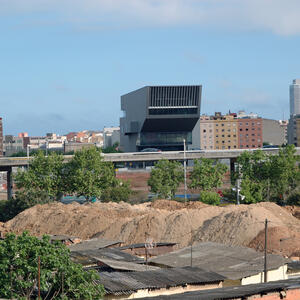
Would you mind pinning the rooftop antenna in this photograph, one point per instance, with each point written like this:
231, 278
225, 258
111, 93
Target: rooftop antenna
149, 244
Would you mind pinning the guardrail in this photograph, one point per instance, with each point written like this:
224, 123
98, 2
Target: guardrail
150, 156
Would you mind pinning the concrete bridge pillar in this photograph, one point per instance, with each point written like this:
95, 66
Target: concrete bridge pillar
9, 183
232, 164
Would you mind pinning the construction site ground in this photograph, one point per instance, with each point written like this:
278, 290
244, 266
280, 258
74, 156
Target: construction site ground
167, 221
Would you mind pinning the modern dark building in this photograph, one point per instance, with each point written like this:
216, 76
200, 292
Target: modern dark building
1, 138
159, 117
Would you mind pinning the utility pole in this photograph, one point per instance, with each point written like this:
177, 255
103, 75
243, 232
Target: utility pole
266, 240
184, 167
191, 248
238, 191
39, 277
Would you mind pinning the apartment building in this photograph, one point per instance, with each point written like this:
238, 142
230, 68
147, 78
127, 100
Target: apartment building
231, 131
250, 133
1, 138
225, 131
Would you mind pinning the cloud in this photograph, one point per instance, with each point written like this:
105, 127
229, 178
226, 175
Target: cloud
278, 16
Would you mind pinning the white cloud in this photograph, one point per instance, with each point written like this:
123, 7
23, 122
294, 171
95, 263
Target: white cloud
278, 16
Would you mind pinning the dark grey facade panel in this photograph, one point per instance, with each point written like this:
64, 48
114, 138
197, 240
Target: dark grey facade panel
164, 109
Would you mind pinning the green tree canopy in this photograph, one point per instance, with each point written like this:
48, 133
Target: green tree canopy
165, 178
44, 175
59, 276
206, 175
268, 177
88, 175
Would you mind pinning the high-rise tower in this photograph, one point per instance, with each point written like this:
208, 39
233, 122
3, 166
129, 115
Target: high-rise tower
295, 97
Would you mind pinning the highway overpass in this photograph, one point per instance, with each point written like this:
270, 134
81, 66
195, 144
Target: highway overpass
7, 163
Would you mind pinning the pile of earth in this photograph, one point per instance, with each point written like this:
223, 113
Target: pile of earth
162, 220
280, 240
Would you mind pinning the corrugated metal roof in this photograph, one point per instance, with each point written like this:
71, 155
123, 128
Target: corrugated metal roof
236, 292
124, 265
110, 255
142, 245
93, 244
230, 261
119, 282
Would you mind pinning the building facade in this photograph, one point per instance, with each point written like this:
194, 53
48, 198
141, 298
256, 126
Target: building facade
1, 138
231, 131
295, 97
250, 133
225, 131
274, 132
159, 117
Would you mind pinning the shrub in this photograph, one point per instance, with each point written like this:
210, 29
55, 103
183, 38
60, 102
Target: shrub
211, 198
116, 194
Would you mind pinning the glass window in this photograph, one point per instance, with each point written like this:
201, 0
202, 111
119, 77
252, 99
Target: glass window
222, 124
204, 130
241, 129
222, 130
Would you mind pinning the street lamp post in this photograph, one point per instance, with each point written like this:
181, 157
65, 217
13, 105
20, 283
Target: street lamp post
184, 167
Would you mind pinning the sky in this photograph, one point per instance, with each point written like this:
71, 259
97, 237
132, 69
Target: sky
65, 63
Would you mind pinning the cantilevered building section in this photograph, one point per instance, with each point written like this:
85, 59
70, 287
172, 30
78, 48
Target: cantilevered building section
159, 117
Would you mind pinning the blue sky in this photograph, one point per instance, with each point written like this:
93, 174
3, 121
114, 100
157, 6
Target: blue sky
65, 63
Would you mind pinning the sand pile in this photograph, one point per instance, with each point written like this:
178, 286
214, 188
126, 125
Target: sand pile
162, 220
281, 240
239, 225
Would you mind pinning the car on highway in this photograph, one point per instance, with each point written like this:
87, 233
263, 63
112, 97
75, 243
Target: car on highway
151, 150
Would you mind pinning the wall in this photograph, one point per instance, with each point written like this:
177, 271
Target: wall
134, 107
273, 275
250, 133
286, 295
169, 291
273, 132
226, 135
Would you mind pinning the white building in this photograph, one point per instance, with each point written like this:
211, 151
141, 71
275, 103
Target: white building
295, 97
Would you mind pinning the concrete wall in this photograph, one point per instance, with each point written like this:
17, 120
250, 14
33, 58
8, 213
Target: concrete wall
134, 106
273, 132
286, 295
169, 291
273, 275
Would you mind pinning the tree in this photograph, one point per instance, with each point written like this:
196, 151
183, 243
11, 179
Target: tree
44, 175
59, 276
268, 177
88, 175
165, 178
112, 149
206, 175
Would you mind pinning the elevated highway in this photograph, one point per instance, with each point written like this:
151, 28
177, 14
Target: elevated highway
7, 163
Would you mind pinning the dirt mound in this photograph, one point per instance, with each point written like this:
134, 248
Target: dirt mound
280, 240
174, 205
239, 225
163, 220
294, 210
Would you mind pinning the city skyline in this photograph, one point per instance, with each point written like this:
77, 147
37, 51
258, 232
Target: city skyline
65, 66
